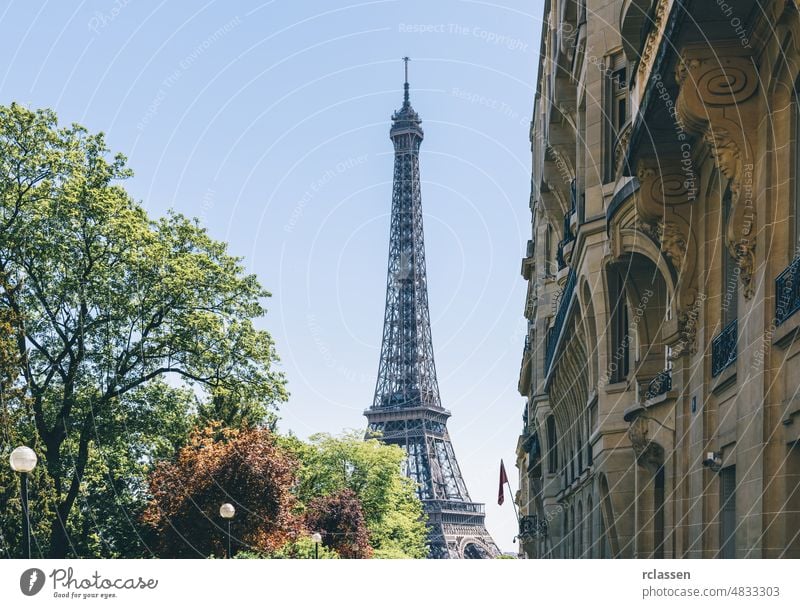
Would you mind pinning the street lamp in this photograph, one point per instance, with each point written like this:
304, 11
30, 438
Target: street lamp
227, 511
317, 538
23, 461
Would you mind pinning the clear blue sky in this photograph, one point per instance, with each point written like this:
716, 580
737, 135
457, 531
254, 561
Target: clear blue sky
269, 121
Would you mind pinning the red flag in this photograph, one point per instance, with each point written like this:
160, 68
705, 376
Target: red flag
503, 479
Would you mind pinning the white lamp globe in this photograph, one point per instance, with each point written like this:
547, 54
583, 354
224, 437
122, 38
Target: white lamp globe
316, 537
23, 459
227, 511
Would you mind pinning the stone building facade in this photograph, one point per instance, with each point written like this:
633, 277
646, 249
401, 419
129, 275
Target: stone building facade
661, 365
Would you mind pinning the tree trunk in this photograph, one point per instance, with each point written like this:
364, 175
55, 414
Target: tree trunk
59, 539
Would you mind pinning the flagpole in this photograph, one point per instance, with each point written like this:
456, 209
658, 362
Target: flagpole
513, 501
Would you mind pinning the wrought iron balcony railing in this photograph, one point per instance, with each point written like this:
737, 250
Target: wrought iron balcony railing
531, 443
562, 263
454, 505
787, 292
659, 385
532, 526
558, 323
723, 348
568, 236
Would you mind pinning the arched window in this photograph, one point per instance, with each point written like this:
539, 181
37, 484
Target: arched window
620, 338
795, 172
590, 528
552, 446
572, 465
730, 273
727, 513
603, 538
792, 549
571, 542
658, 520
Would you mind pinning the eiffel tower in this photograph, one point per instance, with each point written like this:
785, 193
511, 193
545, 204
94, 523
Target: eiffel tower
407, 410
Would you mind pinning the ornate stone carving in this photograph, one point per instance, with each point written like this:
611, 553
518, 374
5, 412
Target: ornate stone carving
687, 330
664, 201
673, 242
648, 452
738, 232
651, 44
648, 229
621, 148
717, 100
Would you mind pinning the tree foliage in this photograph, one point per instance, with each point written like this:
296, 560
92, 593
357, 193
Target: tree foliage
119, 335
339, 519
372, 471
246, 468
101, 302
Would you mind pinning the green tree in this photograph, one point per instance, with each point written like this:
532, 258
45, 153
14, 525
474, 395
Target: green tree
372, 470
105, 301
149, 425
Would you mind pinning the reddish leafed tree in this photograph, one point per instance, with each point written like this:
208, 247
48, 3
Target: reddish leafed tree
243, 467
339, 518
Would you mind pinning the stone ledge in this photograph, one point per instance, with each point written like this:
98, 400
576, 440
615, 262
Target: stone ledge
725, 380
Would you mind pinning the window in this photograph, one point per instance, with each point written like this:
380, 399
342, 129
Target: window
793, 501
796, 172
620, 336
590, 515
727, 513
548, 247
552, 447
572, 465
619, 93
730, 272
658, 519
572, 531
604, 549
615, 110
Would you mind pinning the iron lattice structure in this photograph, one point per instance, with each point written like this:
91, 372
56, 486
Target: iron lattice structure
407, 409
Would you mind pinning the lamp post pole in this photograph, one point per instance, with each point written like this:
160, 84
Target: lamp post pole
26, 517
317, 538
23, 460
227, 511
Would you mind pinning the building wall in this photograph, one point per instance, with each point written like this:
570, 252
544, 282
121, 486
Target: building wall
661, 368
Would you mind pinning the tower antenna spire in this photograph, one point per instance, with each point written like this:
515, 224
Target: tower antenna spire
405, 85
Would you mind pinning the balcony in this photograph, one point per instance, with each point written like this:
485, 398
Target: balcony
723, 349
634, 25
532, 526
528, 262
525, 369
659, 385
554, 332
569, 237
530, 443
562, 263
787, 292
